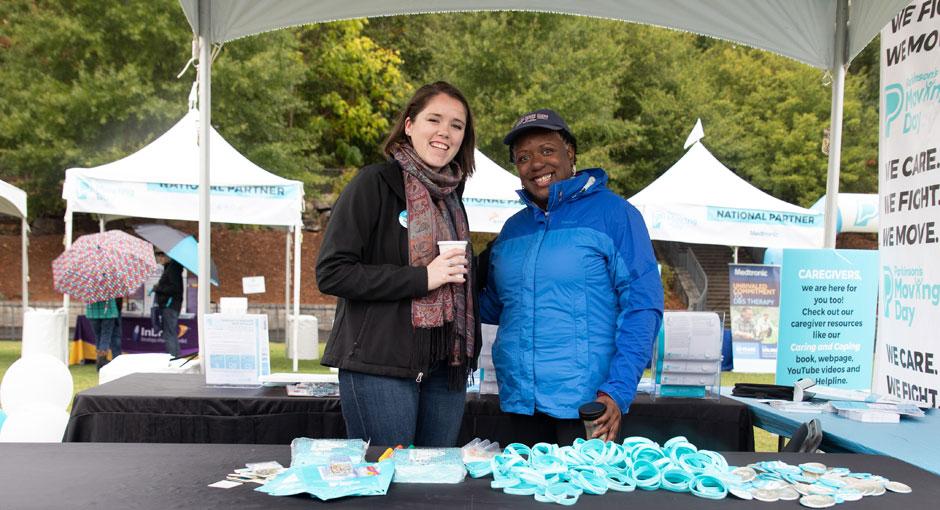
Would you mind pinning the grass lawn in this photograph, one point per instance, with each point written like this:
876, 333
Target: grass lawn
85, 376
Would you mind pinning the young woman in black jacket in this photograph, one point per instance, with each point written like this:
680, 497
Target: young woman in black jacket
407, 329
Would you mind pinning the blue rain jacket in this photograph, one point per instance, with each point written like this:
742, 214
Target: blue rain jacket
578, 299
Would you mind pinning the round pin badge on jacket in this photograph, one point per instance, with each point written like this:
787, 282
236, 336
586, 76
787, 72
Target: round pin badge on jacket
403, 218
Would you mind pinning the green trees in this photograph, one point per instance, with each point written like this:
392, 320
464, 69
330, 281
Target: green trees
632, 93
84, 82
765, 117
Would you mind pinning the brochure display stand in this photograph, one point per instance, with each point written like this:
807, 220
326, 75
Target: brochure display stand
235, 349
687, 356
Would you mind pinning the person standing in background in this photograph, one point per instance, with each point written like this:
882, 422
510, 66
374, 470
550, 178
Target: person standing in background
103, 316
169, 297
118, 332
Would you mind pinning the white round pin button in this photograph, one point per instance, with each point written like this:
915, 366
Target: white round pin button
900, 488
817, 501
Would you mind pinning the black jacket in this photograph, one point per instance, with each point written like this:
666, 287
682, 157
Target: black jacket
364, 262
170, 287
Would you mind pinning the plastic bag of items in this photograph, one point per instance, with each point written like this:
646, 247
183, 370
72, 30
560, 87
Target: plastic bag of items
479, 450
333, 480
428, 465
305, 451
477, 454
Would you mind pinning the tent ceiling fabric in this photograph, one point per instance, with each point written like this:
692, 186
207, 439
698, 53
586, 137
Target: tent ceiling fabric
12, 200
799, 29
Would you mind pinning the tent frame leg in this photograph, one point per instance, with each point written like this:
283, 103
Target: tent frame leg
24, 264
298, 238
839, 65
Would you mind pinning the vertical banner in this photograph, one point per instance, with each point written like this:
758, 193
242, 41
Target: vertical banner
827, 317
909, 193
755, 316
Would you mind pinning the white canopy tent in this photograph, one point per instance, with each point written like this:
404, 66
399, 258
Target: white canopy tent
857, 212
161, 180
13, 203
490, 196
699, 200
823, 33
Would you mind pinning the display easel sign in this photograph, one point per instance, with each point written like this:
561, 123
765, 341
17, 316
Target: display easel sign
235, 349
827, 317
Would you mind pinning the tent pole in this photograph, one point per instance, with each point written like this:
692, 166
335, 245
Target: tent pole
24, 242
287, 278
735, 248
205, 108
100, 223
298, 238
68, 244
839, 64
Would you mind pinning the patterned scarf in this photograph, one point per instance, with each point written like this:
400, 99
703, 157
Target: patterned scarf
435, 214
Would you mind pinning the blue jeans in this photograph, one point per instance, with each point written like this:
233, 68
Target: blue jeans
107, 335
392, 411
171, 331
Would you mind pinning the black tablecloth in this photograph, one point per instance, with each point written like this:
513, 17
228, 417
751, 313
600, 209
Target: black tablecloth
159, 476
169, 408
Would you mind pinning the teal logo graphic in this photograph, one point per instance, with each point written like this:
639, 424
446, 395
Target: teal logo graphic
905, 290
887, 290
658, 220
894, 103
865, 213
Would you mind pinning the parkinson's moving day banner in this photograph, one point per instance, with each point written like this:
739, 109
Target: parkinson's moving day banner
908, 347
827, 317
755, 316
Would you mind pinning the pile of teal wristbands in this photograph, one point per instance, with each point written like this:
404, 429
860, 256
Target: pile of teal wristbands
561, 474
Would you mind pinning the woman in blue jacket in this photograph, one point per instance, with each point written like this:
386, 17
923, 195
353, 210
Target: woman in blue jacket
574, 286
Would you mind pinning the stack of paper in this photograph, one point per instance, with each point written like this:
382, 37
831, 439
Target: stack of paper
882, 412
800, 407
870, 416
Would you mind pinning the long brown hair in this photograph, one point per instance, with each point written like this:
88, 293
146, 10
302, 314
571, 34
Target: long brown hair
416, 105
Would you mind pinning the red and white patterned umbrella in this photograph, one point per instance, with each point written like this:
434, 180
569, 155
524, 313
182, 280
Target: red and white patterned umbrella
102, 266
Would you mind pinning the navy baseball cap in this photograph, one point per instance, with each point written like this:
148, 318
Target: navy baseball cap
544, 119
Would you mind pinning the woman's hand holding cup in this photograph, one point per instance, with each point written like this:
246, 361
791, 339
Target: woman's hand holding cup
450, 266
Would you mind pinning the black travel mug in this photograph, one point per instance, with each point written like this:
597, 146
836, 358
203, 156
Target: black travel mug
588, 413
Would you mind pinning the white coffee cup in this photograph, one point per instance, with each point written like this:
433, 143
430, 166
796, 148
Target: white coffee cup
446, 246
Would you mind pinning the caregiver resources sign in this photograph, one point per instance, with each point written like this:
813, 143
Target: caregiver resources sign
827, 317
909, 197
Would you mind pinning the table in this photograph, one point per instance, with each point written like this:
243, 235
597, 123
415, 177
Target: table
137, 336
158, 476
912, 440
171, 408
